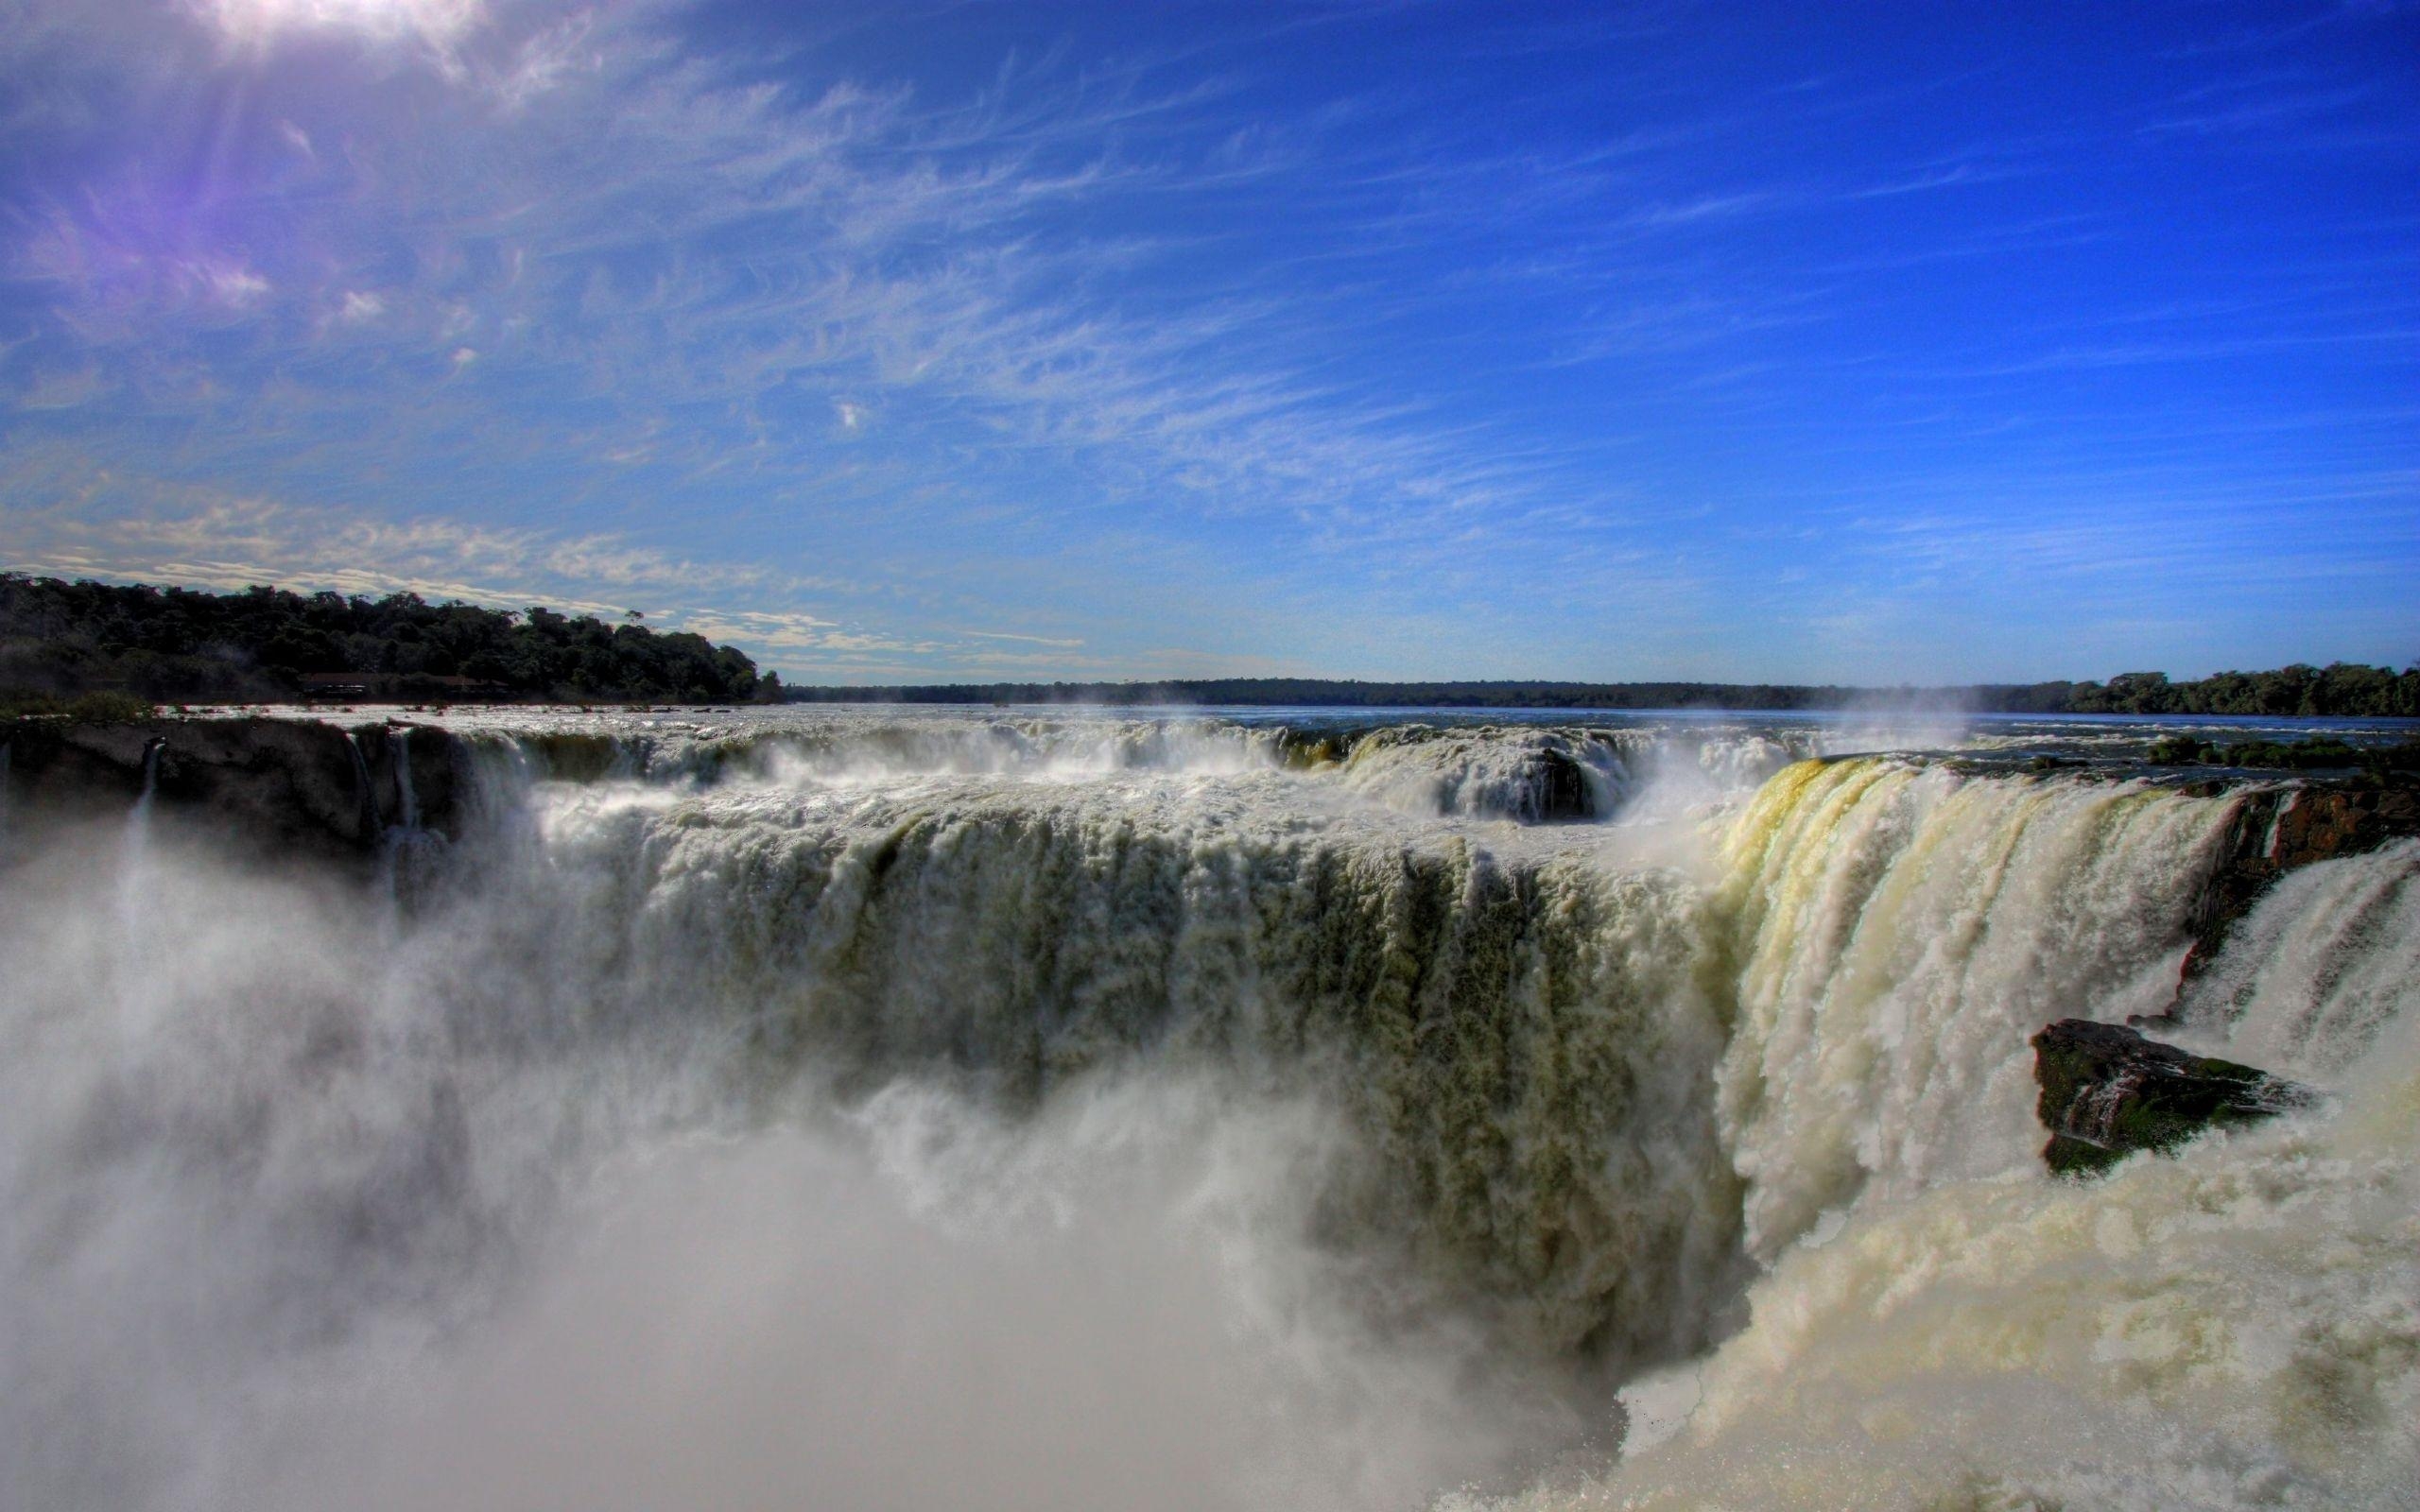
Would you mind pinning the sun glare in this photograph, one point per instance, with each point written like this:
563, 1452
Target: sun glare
256, 22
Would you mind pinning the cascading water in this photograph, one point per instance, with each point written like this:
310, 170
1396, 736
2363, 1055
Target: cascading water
135, 846
364, 794
1902, 931
2323, 965
2236, 1326
1028, 1110
409, 856
139, 818
407, 794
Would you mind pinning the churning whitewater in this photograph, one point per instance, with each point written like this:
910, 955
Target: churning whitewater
871, 1110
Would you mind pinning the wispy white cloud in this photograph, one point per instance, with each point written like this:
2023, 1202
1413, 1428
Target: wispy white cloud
148, 531
795, 632
151, 530
2263, 110
658, 237
594, 244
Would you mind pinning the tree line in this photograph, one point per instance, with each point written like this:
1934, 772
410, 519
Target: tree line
2340, 689
1323, 692
63, 640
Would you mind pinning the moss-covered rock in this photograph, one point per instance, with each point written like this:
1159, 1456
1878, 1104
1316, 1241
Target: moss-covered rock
2107, 1092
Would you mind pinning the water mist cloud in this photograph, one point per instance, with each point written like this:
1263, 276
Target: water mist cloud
781, 1321
308, 1209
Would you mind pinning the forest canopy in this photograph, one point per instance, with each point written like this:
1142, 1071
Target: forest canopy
63, 640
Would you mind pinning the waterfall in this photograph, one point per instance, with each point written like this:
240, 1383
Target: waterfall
1901, 931
138, 819
406, 800
2233, 1327
409, 857
1046, 1045
2320, 968
1842, 1021
134, 848
1525, 1043
364, 793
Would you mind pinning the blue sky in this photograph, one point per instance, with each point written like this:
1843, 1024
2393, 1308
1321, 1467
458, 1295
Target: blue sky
991, 340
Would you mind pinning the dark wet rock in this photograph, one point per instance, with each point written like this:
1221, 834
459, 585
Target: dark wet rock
275, 785
1560, 788
433, 763
2107, 1092
2322, 824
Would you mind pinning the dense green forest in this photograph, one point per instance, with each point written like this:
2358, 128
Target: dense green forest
2342, 689
61, 641
2339, 688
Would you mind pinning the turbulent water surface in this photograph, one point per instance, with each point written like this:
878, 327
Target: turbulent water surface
850, 1108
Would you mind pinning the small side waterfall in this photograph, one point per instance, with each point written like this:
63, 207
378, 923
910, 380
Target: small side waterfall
372, 826
139, 820
134, 872
406, 800
408, 855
